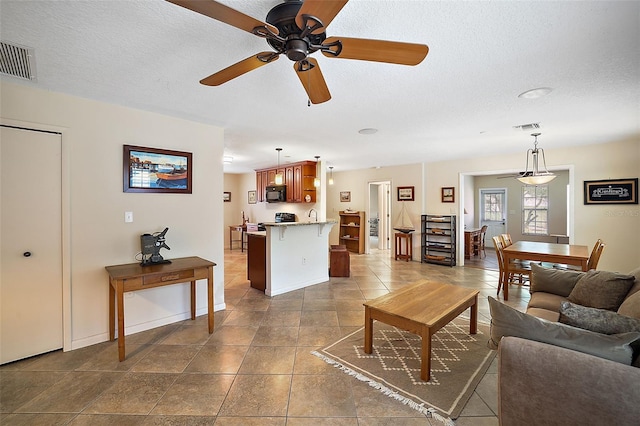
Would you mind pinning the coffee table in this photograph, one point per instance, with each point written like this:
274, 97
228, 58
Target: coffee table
422, 308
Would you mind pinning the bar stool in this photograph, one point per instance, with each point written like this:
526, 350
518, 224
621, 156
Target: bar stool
408, 241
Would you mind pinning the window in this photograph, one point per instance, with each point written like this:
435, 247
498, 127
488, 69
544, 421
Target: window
492, 206
535, 210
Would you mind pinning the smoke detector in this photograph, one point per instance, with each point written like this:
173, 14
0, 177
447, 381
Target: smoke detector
17, 61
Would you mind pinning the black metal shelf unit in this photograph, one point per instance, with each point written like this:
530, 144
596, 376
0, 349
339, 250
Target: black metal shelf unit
438, 239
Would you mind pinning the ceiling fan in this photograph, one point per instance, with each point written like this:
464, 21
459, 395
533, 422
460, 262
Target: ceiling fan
297, 29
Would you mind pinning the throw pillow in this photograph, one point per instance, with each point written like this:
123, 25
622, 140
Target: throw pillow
601, 289
554, 281
597, 320
636, 286
631, 306
506, 321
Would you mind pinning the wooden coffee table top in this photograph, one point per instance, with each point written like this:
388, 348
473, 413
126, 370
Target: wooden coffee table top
425, 302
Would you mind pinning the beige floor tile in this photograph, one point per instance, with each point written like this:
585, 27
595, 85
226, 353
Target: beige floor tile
195, 395
319, 319
107, 420
36, 419
276, 336
322, 396
268, 360
218, 359
166, 359
72, 393
257, 395
19, 387
188, 335
233, 335
318, 336
250, 421
148, 388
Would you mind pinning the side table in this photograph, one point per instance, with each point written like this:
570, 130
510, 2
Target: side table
408, 242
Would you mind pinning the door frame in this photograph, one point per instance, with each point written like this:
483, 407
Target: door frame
462, 181
384, 211
65, 186
505, 213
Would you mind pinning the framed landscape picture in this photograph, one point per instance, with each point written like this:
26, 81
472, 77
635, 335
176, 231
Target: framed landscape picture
405, 193
448, 194
156, 170
345, 196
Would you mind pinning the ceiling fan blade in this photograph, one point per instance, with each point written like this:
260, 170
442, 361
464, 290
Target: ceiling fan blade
393, 52
311, 78
324, 10
223, 13
239, 68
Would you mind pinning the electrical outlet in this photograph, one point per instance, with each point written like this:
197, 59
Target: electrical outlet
304, 260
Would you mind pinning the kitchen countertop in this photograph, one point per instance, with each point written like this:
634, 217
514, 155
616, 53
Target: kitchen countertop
299, 223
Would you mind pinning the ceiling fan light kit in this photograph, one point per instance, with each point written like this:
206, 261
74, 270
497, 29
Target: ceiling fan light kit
279, 177
297, 29
535, 176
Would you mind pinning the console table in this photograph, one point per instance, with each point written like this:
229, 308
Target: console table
471, 236
133, 276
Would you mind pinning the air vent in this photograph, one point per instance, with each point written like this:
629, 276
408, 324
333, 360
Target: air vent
17, 61
527, 127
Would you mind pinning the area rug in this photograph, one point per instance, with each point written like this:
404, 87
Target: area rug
459, 360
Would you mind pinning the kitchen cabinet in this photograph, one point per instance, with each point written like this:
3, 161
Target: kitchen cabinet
298, 178
352, 227
257, 260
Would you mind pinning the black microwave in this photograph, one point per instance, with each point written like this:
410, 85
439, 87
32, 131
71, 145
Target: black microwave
276, 194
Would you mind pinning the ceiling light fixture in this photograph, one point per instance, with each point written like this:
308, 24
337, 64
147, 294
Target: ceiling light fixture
316, 180
330, 175
535, 176
536, 93
279, 178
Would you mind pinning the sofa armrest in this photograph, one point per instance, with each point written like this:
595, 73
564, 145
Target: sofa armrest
545, 384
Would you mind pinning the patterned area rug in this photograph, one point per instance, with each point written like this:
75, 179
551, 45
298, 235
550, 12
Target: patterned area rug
458, 363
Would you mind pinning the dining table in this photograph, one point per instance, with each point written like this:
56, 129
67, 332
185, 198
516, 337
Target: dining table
568, 254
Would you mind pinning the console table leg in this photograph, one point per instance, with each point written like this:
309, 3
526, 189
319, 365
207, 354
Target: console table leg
210, 299
120, 295
193, 300
368, 331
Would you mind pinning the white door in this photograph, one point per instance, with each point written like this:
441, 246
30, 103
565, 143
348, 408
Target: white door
493, 205
31, 243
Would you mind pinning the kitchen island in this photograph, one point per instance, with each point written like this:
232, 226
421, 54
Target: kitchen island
288, 256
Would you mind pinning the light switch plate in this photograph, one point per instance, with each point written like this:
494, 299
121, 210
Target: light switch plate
128, 217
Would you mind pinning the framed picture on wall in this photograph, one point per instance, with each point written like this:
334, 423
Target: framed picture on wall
345, 196
252, 197
226, 197
613, 191
405, 193
448, 194
156, 170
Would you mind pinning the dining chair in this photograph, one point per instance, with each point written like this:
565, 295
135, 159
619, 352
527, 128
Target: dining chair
507, 275
506, 240
592, 262
479, 244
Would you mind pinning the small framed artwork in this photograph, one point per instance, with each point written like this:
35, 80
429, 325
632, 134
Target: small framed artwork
448, 194
252, 197
156, 170
405, 193
226, 197
613, 191
345, 196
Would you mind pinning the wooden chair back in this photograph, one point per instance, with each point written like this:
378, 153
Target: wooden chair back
594, 258
506, 240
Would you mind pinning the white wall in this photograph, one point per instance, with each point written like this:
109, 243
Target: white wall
95, 234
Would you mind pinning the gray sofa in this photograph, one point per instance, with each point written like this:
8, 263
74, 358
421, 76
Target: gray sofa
573, 357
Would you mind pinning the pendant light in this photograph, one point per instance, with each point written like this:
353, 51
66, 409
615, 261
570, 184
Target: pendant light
330, 175
535, 176
279, 178
316, 180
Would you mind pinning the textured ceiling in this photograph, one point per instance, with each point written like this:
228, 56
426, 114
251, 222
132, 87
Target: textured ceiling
461, 99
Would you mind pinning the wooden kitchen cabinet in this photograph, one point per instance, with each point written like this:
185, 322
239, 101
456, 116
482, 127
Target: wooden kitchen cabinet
257, 261
298, 178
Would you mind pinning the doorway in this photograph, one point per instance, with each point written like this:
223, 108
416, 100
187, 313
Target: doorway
31, 290
493, 205
379, 216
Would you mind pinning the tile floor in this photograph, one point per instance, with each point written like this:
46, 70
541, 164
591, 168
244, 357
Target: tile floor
256, 368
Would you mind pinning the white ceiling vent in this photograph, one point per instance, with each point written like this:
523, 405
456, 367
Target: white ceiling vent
17, 61
527, 127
